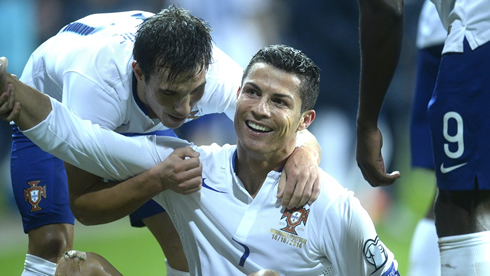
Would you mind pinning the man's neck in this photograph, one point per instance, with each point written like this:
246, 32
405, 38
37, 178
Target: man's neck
253, 170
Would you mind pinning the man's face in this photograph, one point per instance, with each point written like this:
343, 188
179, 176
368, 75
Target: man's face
173, 101
268, 112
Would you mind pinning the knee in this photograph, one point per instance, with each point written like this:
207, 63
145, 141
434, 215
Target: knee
50, 242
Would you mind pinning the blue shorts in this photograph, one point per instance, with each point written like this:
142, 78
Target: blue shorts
39, 184
420, 139
150, 208
459, 116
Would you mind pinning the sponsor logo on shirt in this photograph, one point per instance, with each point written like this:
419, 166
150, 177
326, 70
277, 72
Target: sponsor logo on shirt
288, 235
34, 194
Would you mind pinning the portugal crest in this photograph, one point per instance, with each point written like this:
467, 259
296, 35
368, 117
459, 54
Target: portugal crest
294, 217
34, 194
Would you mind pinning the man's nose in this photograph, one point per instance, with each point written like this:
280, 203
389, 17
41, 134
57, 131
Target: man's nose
183, 107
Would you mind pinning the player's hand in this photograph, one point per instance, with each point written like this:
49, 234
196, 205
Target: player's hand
300, 179
264, 272
370, 160
181, 171
9, 109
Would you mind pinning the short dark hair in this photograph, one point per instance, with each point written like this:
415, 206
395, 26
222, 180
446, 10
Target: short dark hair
293, 61
175, 40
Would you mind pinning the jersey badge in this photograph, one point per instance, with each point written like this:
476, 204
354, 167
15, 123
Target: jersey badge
294, 217
375, 253
34, 194
288, 235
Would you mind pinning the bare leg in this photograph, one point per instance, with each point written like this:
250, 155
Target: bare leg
50, 241
462, 212
164, 231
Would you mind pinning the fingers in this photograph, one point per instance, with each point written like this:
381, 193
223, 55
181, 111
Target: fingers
186, 171
377, 177
186, 152
315, 190
298, 191
3, 74
9, 109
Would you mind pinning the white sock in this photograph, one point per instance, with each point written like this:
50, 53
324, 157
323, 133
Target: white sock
466, 255
424, 252
174, 272
36, 266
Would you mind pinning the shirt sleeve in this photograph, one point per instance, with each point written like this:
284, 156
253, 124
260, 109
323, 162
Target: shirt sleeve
98, 150
357, 248
89, 99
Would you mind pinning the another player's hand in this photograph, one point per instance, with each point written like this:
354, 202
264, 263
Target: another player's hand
264, 272
181, 171
370, 160
300, 179
9, 110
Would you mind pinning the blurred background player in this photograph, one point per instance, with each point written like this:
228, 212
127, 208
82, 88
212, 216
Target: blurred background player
424, 251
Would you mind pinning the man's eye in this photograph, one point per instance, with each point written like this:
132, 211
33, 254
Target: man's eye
251, 91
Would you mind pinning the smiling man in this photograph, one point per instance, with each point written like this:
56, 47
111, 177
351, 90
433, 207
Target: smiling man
234, 225
133, 73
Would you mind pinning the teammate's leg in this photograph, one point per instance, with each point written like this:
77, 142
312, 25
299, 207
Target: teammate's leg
165, 233
460, 129
41, 193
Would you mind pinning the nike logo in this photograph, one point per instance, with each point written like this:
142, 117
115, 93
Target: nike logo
204, 185
452, 168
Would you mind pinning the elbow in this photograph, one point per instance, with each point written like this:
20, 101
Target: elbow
83, 216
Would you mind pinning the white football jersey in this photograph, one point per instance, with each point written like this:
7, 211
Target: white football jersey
223, 229
430, 31
87, 66
464, 19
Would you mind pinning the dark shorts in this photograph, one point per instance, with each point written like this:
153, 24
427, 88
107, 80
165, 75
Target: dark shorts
39, 184
150, 208
420, 139
459, 115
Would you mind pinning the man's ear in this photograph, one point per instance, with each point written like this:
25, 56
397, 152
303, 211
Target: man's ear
306, 119
138, 72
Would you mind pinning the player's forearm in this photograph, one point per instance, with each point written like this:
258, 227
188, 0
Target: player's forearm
35, 105
105, 202
381, 33
305, 138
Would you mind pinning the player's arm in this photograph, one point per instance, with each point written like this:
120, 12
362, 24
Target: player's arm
94, 201
300, 180
361, 249
381, 32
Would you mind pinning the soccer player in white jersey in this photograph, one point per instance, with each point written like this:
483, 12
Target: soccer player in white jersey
133, 73
234, 225
458, 115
